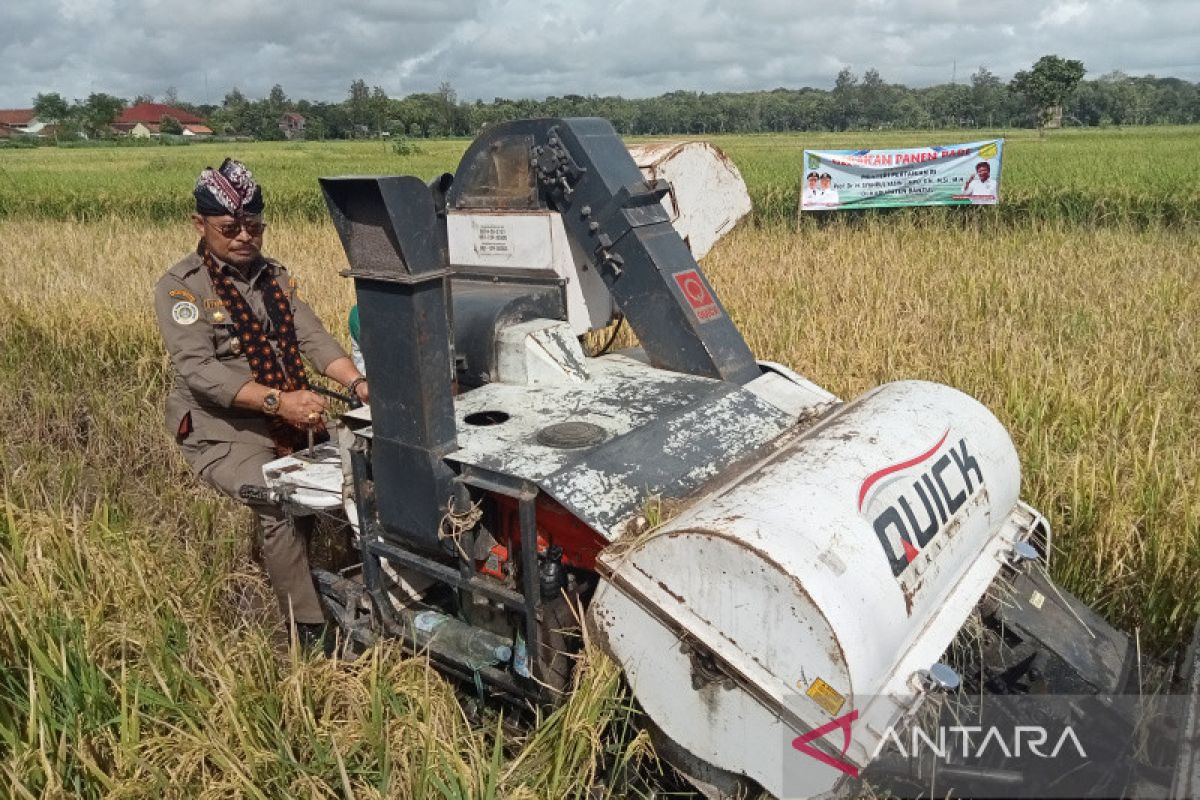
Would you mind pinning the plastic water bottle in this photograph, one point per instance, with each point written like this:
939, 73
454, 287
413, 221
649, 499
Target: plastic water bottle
473, 646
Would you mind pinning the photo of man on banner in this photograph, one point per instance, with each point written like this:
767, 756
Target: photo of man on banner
981, 187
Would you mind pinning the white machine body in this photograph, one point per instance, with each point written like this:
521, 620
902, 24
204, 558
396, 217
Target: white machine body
531, 242
708, 197
824, 581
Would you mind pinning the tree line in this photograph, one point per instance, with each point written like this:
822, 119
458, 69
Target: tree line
1051, 93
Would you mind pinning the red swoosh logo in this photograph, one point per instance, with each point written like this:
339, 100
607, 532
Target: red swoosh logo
801, 743
875, 477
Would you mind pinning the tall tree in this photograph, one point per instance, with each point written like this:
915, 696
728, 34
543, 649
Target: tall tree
875, 99
277, 99
1047, 86
447, 102
51, 107
987, 97
358, 103
845, 100
98, 112
231, 117
379, 108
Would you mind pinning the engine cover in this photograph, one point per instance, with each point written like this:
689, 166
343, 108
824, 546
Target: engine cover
818, 586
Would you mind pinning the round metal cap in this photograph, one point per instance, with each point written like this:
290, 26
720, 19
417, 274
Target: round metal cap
571, 435
943, 677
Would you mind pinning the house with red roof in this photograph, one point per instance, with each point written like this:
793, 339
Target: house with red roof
19, 122
145, 119
292, 125
17, 117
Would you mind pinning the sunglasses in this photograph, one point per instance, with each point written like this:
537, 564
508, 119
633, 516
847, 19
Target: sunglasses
230, 230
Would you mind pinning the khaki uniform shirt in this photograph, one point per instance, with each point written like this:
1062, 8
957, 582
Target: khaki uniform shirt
210, 367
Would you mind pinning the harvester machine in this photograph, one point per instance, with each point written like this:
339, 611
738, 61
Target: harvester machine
791, 582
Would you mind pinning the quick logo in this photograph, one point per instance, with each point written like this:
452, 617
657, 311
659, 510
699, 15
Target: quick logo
933, 485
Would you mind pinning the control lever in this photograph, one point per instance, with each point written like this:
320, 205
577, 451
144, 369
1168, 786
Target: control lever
353, 402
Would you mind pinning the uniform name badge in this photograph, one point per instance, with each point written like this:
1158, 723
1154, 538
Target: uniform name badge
185, 312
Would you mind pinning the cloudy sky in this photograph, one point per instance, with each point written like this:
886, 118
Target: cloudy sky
532, 48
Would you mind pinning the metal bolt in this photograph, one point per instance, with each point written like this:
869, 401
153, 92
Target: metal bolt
1024, 551
593, 226
585, 212
942, 677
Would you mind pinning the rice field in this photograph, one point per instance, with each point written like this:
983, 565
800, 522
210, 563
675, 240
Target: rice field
1140, 176
138, 654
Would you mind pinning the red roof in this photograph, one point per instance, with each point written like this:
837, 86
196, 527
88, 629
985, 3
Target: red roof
154, 112
16, 116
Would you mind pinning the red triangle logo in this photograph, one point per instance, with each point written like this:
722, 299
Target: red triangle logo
801, 743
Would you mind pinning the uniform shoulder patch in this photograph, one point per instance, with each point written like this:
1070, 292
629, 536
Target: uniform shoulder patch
185, 312
182, 294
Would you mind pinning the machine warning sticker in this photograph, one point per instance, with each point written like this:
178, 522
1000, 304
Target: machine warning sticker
826, 696
492, 240
698, 295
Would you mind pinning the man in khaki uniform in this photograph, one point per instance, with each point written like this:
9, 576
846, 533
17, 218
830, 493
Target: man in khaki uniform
236, 330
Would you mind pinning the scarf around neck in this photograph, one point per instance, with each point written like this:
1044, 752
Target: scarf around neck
284, 372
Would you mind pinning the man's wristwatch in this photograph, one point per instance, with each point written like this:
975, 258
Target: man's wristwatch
270, 404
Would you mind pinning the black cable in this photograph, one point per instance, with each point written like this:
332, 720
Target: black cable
612, 338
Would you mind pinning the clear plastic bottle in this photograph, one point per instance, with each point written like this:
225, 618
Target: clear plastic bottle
475, 647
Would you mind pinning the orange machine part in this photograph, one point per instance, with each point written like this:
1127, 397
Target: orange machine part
555, 525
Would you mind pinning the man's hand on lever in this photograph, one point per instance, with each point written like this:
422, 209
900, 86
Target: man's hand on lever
302, 409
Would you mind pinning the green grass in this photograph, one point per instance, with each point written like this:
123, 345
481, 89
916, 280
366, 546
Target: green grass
1080, 176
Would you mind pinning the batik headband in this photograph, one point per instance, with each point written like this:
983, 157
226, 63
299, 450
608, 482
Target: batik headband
229, 190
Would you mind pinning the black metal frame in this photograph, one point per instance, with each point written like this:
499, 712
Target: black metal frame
375, 547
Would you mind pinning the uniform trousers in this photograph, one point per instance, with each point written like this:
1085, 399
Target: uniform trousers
228, 466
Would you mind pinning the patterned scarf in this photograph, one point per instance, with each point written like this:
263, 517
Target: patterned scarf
289, 376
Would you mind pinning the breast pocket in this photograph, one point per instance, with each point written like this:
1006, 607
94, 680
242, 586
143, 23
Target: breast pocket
226, 341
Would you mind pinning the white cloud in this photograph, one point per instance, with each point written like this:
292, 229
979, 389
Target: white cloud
531, 48
1059, 14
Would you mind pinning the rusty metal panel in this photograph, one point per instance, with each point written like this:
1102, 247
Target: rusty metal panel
671, 457
665, 433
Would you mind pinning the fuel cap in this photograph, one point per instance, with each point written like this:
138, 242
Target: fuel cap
571, 435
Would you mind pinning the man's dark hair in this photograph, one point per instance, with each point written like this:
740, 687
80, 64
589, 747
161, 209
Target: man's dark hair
825, 175
812, 175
